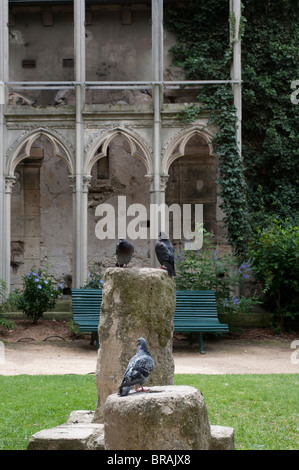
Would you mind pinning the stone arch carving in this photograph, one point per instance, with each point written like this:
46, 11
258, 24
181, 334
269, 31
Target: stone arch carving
99, 147
22, 149
176, 147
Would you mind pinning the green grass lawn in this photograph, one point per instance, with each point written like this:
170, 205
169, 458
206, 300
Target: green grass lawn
263, 409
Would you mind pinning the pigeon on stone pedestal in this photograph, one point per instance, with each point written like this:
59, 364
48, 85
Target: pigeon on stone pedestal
124, 253
139, 368
165, 253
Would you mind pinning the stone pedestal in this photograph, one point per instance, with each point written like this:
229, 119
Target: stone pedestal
136, 302
165, 418
81, 433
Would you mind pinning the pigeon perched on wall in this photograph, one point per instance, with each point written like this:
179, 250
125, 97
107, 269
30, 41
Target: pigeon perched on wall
139, 368
165, 253
124, 253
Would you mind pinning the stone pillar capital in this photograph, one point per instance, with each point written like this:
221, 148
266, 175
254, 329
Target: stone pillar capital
150, 179
9, 182
163, 181
86, 179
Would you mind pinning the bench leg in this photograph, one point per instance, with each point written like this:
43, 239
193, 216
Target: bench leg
201, 344
95, 337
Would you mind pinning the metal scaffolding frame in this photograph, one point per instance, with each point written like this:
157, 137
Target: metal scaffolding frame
80, 85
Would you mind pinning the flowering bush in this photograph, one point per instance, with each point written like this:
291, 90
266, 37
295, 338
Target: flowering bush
39, 294
95, 280
205, 269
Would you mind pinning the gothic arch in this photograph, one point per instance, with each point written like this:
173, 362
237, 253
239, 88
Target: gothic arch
22, 149
176, 147
99, 147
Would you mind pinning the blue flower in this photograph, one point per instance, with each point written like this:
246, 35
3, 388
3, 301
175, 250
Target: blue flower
36, 279
46, 282
39, 286
245, 269
235, 300
60, 285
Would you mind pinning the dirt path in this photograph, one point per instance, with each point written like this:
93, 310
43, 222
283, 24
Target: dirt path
48, 348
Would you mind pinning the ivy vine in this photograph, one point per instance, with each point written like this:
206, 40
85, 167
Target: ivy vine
263, 183
206, 58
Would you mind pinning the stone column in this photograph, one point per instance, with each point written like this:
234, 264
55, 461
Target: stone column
84, 268
136, 303
9, 182
80, 249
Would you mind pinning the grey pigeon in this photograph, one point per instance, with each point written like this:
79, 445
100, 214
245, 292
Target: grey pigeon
165, 253
139, 368
124, 253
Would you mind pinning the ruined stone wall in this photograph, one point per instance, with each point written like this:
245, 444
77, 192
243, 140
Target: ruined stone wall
42, 215
125, 177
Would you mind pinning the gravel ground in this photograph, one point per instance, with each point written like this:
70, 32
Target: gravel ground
48, 348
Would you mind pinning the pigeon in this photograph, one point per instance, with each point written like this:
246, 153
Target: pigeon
165, 253
139, 368
124, 253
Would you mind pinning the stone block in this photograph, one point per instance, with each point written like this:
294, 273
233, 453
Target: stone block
63, 437
138, 302
78, 433
165, 418
222, 438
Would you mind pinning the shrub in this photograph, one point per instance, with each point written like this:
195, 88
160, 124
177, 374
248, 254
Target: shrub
39, 294
206, 269
275, 261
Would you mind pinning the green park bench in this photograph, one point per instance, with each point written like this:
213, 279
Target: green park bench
86, 311
195, 312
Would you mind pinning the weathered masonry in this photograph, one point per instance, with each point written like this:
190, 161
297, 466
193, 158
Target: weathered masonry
89, 111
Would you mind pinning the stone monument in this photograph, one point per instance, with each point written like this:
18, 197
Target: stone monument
136, 303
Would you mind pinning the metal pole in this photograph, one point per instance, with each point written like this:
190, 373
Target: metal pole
236, 71
4, 76
80, 225
157, 70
